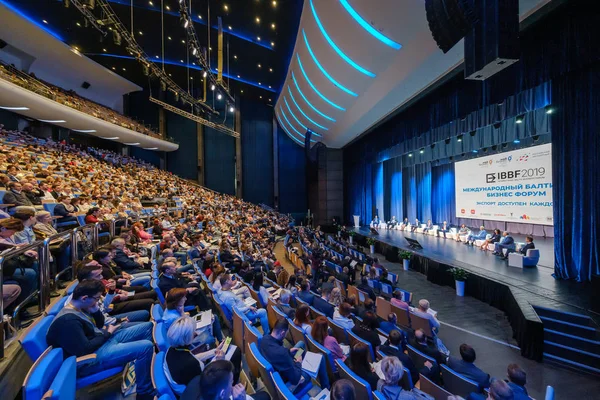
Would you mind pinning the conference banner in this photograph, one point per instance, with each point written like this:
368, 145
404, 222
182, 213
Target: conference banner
514, 186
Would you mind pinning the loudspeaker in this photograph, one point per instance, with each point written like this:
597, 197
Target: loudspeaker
449, 21
85, 85
374, 231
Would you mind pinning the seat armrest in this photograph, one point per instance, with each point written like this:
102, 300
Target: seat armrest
87, 359
48, 394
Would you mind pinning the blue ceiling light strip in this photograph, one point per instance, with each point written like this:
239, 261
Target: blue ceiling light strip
336, 83
334, 46
292, 114
292, 126
308, 102
379, 36
179, 64
305, 116
314, 87
286, 131
195, 19
33, 21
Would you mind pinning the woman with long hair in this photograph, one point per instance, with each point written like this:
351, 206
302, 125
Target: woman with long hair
138, 231
336, 297
291, 285
302, 318
320, 332
359, 363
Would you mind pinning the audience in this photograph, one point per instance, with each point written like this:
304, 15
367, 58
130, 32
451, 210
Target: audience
342, 389
367, 330
394, 348
421, 311
230, 300
390, 387
283, 303
320, 332
302, 319
466, 367
358, 362
342, 316
304, 294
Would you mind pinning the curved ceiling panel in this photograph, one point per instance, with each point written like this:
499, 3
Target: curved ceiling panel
355, 62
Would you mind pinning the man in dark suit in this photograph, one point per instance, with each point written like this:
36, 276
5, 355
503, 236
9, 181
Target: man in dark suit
169, 279
523, 250
507, 242
384, 278
122, 260
344, 277
284, 304
364, 286
322, 303
444, 228
15, 196
517, 378
390, 325
304, 294
394, 349
466, 367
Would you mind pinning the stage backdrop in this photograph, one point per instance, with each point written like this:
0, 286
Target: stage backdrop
514, 186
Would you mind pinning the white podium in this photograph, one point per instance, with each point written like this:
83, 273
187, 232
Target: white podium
356, 221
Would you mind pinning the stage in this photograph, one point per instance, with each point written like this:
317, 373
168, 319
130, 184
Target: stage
512, 290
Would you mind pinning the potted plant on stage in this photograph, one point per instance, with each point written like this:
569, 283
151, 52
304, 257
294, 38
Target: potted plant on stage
371, 242
460, 277
351, 236
405, 257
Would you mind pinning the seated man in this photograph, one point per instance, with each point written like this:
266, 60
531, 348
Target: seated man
122, 260
392, 223
375, 222
282, 359
480, 236
507, 242
364, 287
342, 315
421, 311
322, 303
499, 390
15, 196
230, 300
390, 324
444, 228
283, 303
428, 227
169, 279
304, 294
416, 225
394, 349
74, 331
397, 301
523, 250
466, 367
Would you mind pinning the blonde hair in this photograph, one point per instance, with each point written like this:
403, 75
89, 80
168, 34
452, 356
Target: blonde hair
181, 332
391, 368
336, 297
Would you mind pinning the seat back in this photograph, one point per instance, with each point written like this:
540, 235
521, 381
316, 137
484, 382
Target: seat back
34, 340
402, 318
383, 308
255, 295
251, 335
159, 293
159, 379
57, 306
314, 313
159, 335
532, 258
377, 395
64, 385
361, 387
156, 312
296, 332
418, 357
223, 311
283, 392
338, 332
239, 320
386, 288
42, 373
406, 381
432, 389
354, 338
457, 384
271, 315
264, 369
417, 322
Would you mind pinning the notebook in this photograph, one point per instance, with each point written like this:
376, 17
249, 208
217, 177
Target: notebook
250, 302
203, 319
377, 368
311, 363
322, 395
382, 339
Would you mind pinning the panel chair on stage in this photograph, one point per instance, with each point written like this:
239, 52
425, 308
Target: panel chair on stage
520, 261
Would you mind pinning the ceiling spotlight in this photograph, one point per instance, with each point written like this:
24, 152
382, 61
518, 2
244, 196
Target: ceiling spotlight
212, 87
194, 52
549, 109
410, 154
141, 33
226, 7
230, 28
114, 68
78, 24
124, 69
235, 57
270, 69
272, 26
44, 21
219, 96
231, 109
260, 97
199, 16
421, 151
150, 3
204, 74
146, 70
459, 138
156, 56
169, 37
258, 38
257, 20
260, 83
176, 96
116, 37
181, 60
259, 66
269, 86
520, 119
238, 76
186, 23
272, 44
168, 8
242, 91
104, 50
274, 3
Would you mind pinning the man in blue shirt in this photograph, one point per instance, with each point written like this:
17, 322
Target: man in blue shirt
480, 236
466, 367
304, 294
507, 242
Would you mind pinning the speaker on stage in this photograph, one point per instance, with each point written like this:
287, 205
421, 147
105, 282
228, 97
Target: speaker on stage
374, 231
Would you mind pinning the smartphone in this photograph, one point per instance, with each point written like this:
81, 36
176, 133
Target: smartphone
226, 345
119, 320
298, 355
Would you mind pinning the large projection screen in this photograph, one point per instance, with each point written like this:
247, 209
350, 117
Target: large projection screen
515, 186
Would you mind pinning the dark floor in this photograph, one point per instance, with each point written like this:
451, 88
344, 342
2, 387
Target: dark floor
544, 290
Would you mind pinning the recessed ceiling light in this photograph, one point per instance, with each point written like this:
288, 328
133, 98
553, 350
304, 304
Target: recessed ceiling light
141, 33
259, 66
257, 20
167, 7
241, 91
219, 96
84, 130
182, 41
269, 99
114, 68
44, 21
199, 16
272, 44
261, 97
132, 144
226, 7
210, 48
231, 109
272, 26
169, 37
103, 49
193, 63
269, 86
235, 57
260, 83
258, 38
192, 78
170, 75
112, 138
274, 3
270, 69
238, 76
124, 69
212, 87
78, 24
181, 60
151, 3
52, 121
156, 56
230, 28
14, 108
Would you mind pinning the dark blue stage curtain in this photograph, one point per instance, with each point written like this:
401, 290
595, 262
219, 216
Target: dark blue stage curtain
443, 199
575, 168
379, 191
219, 161
416, 190
392, 171
183, 161
257, 152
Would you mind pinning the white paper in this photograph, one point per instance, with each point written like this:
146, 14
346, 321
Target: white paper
353, 263
345, 349
203, 319
311, 362
277, 293
432, 312
250, 302
323, 395
130, 294
382, 339
377, 368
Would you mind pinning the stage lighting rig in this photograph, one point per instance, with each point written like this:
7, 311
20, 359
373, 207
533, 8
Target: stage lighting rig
201, 59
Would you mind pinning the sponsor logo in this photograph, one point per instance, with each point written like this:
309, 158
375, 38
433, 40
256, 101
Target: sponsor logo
485, 214
523, 158
503, 160
490, 162
524, 216
472, 211
509, 158
462, 211
490, 178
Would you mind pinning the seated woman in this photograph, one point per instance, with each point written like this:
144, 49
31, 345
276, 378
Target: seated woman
392, 370
359, 364
181, 365
302, 318
65, 209
367, 330
110, 270
138, 231
320, 332
175, 304
336, 297
494, 238
291, 285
